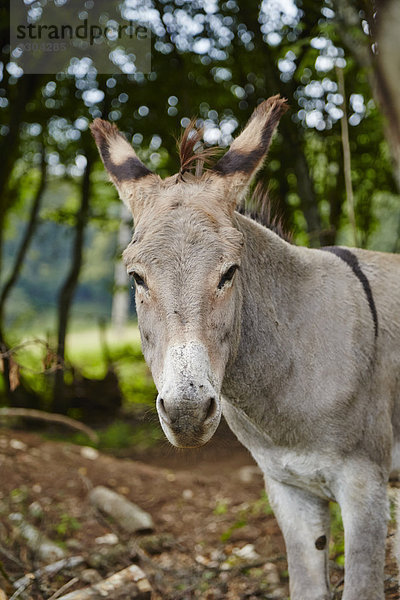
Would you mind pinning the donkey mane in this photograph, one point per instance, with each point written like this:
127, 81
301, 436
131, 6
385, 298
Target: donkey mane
258, 206
191, 152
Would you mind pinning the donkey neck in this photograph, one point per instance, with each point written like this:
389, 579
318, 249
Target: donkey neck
272, 277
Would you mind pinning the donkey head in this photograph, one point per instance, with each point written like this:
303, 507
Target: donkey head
185, 260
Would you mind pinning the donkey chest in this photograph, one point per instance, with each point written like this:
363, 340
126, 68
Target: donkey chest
308, 469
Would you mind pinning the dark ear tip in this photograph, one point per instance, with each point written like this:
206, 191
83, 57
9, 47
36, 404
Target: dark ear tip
101, 129
273, 104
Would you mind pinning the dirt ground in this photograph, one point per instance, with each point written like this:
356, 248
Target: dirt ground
214, 535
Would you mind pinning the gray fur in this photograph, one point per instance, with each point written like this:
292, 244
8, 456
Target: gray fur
287, 350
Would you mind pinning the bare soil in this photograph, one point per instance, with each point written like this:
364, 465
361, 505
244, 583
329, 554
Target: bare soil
214, 536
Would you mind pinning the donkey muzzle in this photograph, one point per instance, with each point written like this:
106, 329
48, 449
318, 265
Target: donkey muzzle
188, 404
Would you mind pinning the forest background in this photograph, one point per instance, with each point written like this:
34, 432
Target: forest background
68, 341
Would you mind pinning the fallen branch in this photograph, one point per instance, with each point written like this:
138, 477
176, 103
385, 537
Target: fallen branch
49, 570
35, 539
129, 516
30, 413
133, 576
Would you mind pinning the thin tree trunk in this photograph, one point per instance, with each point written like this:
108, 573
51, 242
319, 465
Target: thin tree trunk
18, 263
67, 292
387, 73
18, 96
309, 204
380, 57
347, 157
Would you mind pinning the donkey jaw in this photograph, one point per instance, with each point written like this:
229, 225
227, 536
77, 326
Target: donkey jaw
188, 405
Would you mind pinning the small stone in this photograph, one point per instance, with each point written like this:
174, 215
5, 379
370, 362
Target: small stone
90, 576
107, 556
217, 555
18, 445
15, 517
155, 544
278, 594
246, 553
109, 539
35, 510
89, 453
74, 545
95, 560
271, 573
248, 473
187, 494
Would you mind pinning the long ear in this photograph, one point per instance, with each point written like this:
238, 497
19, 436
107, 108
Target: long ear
119, 158
247, 152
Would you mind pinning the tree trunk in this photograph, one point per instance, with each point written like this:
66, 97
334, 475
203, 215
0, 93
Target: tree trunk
18, 263
67, 292
387, 72
19, 96
381, 60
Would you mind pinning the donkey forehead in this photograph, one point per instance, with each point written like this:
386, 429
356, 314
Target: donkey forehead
185, 229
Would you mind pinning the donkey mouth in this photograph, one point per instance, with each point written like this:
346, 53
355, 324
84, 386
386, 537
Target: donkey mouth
184, 430
185, 439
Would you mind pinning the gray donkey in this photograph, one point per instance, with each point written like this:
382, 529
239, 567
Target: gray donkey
299, 349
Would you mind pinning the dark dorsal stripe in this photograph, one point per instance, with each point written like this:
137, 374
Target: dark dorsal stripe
351, 259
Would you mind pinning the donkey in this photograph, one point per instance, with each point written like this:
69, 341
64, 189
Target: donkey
298, 348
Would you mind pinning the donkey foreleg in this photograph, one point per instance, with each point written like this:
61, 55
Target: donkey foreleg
304, 521
362, 497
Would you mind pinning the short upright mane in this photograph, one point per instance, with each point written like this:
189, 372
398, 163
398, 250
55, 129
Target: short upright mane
190, 149
257, 206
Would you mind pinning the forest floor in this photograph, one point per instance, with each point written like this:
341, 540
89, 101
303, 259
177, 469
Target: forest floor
214, 535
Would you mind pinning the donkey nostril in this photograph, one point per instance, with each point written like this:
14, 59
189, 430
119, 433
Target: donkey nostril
212, 409
161, 409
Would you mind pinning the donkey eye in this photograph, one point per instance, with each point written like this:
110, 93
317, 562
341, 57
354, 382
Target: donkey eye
228, 276
138, 279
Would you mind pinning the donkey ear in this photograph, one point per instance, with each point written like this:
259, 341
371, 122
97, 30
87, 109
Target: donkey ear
119, 158
247, 152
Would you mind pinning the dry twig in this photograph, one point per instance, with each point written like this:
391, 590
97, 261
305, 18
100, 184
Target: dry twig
30, 413
107, 588
64, 588
49, 570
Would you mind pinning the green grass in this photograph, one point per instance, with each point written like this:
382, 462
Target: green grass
336, 546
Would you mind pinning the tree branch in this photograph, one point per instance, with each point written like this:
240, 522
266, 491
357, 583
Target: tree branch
30, 413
